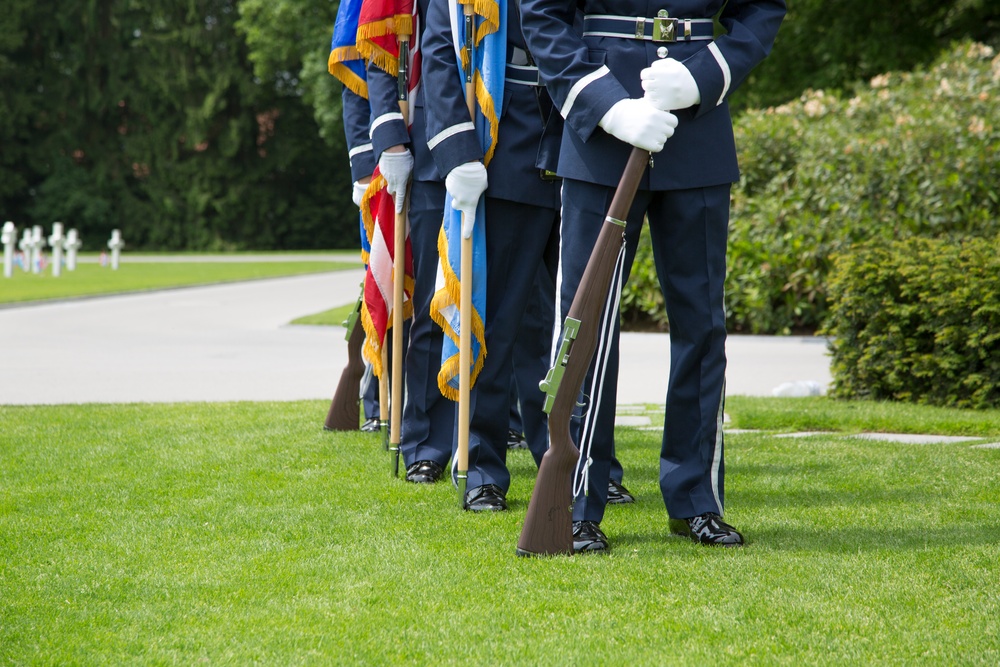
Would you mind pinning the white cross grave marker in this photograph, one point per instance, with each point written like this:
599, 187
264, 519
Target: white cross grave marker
116, 244
25, 246
72, 244
8, 238
37, 243
56, 243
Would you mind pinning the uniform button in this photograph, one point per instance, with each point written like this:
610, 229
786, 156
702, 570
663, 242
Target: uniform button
662, 52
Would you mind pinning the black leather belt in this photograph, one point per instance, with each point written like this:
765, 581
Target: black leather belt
524, 75
660, 29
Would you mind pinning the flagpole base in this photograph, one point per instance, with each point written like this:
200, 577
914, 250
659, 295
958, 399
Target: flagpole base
394, 450
463, 482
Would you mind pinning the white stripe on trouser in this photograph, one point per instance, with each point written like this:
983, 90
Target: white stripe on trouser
602, 354
558, 319
717, 454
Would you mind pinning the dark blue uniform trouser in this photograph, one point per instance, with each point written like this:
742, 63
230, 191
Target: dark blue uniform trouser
428, 429
688, 229
518, 236
531, 359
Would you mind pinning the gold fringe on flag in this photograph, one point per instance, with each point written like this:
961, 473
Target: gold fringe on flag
451, 294
335, 65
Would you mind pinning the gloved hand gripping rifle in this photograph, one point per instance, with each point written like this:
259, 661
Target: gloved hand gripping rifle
548, 525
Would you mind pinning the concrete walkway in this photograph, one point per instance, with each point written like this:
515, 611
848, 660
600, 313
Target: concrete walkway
233, 342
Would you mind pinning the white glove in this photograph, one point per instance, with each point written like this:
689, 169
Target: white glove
396, 169
639, 123
669, 85
466, 183
358, 192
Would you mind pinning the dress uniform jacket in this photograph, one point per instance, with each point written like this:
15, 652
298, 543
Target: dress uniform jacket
357, 119
514, 171
585, 83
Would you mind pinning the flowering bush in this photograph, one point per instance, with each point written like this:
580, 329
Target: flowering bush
910, 154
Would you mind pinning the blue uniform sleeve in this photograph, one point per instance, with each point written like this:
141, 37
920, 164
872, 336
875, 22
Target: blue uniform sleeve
451, 135
751, 27
388, 128
357, 118
579, 82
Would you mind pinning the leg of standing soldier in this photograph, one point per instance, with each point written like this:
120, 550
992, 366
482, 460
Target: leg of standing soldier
532, 354
689, 233
515, 245
515, 426
584, 208
428, 418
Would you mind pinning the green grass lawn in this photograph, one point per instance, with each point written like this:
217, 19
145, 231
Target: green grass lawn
91, 279
241, 533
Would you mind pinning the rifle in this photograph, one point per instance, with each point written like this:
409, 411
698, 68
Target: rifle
548, 525
343, 413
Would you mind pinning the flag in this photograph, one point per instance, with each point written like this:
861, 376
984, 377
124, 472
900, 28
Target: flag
346, 62
348, 66
378, 213
489, 65
381, 25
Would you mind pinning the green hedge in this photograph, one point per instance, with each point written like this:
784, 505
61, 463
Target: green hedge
910, 154
918, 320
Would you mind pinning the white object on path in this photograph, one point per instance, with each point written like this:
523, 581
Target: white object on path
116, 244
798, 389
56, 243
8, 239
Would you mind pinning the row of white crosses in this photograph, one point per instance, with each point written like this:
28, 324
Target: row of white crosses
32, 242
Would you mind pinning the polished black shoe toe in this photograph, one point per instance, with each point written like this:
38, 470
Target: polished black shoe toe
516, 440
708, 528
371, 425
424, 472
618, 494
485, 498
588, 537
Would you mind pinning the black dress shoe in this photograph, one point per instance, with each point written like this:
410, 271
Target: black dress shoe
371, 425
424, 472
707, 528
587, 537
516, 440
485, 498
618, 494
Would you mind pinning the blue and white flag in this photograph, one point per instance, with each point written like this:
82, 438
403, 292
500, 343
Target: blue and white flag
489, 62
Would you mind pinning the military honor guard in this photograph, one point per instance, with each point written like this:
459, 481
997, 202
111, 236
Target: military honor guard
400, 144
655, 76
521, 218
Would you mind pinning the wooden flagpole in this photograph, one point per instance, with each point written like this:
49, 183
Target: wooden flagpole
399, 269
465, 293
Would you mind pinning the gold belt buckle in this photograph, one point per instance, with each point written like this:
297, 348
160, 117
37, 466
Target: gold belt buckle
664, 27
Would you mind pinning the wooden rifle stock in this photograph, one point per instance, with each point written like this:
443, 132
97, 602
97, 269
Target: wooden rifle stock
343, 413
548, 525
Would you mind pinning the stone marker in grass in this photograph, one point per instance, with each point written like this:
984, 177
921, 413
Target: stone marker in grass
116, 244
56, 243
8, 238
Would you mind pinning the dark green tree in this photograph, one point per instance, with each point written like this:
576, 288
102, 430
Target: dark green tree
148, 117
831, 45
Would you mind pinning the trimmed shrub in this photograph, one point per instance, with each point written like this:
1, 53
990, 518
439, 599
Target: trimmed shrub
910, 154
917, 320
